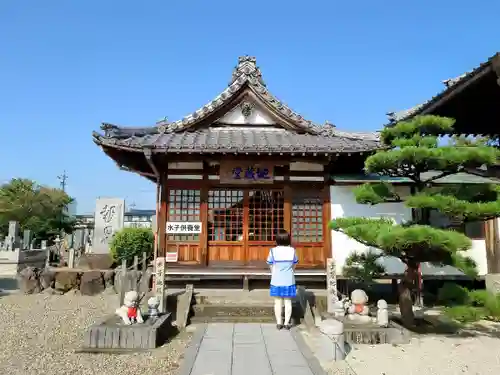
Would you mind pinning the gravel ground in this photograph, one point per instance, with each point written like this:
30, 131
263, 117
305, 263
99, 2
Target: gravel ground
39, 335
426, 355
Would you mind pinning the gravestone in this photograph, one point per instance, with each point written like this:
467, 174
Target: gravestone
108, 220
79, 239
13, 240
26, 239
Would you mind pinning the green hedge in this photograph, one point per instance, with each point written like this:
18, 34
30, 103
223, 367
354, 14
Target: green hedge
466, 306
130, 242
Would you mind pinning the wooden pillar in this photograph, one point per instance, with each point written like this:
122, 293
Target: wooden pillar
287, 198
327, 216
162, 219
204, 215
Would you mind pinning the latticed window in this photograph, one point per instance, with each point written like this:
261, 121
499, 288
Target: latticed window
307, 217
183, 207
225, 215
266, 214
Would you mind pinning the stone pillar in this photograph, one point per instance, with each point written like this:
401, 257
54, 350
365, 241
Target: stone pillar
108, 220
26, 239
71, 258
334, 329
334, 305
13, 240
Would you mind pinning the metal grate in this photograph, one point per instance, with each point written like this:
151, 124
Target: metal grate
307, 217
225, 215
183, 206
266, 214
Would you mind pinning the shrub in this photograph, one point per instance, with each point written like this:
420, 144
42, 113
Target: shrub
465, 314
488, 301
130, 242
479, 298
451, 294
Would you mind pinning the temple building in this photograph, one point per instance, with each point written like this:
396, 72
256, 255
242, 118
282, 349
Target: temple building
234, 172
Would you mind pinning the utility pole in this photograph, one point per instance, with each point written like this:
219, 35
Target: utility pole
63, 178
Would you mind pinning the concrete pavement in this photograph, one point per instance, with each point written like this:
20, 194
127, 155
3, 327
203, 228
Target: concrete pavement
248, 348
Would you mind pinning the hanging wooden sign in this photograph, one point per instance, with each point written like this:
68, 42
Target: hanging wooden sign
241, 172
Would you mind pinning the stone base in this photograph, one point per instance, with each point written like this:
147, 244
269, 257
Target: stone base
493, 282
113, 336
372, 334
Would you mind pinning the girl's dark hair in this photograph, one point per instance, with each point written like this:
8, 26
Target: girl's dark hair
283, 238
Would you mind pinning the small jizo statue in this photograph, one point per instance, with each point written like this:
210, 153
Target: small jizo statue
153, 304
130, 312
358, 310
382, 313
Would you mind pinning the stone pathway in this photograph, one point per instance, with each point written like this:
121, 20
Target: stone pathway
248, 348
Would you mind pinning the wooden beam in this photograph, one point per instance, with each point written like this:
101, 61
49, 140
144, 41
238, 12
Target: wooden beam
287, 197
162, 220
204, 215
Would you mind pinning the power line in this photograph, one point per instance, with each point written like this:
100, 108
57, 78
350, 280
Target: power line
63, 178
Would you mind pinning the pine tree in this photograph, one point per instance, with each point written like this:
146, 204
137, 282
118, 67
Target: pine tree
414, 151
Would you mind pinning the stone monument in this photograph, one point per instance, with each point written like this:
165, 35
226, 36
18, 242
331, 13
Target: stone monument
13, 240
108, 220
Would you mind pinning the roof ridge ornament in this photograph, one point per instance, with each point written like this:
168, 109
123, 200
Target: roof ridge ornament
247, 68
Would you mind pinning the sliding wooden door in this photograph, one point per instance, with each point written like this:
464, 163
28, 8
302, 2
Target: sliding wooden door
226, 245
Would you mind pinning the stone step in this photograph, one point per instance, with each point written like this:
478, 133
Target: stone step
232, 319
214, 310
232, 313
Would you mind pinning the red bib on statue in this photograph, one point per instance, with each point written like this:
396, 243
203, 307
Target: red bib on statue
132, 312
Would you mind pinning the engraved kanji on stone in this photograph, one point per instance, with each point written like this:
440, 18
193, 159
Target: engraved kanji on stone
108, 213
107, 232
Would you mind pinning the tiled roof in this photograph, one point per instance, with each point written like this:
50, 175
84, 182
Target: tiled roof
451, 85
296, 134
245, 139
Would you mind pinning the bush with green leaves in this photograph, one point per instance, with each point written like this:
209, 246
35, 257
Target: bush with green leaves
466, 306
130, 242
465, 314
451, 294
363, 267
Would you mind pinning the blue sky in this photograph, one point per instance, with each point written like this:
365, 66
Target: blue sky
66, 66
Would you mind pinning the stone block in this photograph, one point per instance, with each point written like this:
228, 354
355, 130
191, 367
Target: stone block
91, 283
28, 281
109, 278
47, 279
65, 281
112, 335
130, 282
184, 307
145, 281
95, 262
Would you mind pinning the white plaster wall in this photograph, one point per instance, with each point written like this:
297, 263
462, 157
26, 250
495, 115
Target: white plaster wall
478, 253
343, 204
258, 116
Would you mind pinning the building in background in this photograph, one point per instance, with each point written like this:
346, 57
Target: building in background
132, 219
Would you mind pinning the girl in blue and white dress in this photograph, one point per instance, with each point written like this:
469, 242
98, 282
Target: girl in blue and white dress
282, 260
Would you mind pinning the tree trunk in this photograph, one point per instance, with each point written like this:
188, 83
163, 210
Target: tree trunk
405, 288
